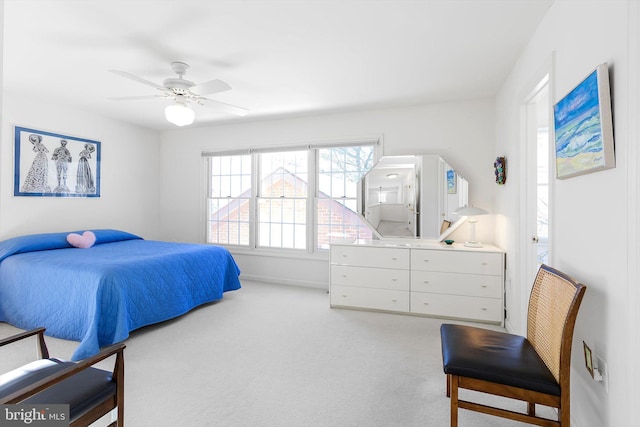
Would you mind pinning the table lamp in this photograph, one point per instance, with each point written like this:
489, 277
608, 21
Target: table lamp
471, 212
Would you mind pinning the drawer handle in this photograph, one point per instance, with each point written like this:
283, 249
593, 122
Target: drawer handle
484, 309
425, 260
344, 255
426, 281
344, 275
394, 258
483, 286
484, 263
394, 300
394, 280
425, 303
344, 296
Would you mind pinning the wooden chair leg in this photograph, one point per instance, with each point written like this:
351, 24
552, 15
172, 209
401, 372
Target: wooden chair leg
563, 417
120, 372
565, 409
448, 385
454, 399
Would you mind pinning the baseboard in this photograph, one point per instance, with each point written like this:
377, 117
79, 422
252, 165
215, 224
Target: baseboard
289, 282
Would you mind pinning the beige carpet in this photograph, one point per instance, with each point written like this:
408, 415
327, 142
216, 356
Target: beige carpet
270, 355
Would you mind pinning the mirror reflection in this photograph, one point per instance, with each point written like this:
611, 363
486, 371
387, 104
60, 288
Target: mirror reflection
412, 196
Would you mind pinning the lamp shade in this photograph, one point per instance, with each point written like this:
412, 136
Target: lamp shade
180, 114
470, 211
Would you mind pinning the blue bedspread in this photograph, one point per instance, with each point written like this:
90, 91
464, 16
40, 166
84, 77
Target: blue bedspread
98, 295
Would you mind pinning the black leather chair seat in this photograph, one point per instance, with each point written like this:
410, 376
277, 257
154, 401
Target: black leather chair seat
496, 357
81, 391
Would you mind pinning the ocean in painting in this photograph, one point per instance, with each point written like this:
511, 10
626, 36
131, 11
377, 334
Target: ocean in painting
578, 129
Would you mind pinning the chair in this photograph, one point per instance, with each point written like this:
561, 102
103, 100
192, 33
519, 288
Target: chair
534, 369
90, 392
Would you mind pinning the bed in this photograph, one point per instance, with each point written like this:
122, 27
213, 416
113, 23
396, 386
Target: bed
97, 296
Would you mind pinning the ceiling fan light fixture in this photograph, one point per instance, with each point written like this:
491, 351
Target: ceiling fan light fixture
183, 92
180, 114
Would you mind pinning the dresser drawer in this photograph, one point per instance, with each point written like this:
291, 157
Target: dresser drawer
368, 277
370, 257
379, 299
457, 261
457, 284
463, 307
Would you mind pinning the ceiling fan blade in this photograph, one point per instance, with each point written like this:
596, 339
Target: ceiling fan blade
233, 109
138, 79
211, 87
136, 98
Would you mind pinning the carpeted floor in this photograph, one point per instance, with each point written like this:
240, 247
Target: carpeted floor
270, 355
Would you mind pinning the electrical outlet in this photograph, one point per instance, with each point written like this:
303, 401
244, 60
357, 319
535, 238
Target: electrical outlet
604, 371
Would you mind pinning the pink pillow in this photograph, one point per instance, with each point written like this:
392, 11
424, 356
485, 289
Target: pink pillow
85, 241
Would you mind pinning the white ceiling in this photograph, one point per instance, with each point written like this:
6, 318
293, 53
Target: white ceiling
281, 58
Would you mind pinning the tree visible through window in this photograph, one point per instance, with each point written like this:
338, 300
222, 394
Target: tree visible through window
340, 170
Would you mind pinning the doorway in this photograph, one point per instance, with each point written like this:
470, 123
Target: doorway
536, 242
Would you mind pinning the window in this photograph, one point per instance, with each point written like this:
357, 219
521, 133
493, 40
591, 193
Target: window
229, 200
282, 203
542, 181
340, 170
297, 199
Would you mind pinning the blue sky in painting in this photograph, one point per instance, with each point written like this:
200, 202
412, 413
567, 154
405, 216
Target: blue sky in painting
577, 120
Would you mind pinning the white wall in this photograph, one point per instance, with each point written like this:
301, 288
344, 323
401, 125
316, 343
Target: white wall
461, 132
129, 179
589, 214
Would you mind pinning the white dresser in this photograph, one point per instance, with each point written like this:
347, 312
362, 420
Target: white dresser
420, 278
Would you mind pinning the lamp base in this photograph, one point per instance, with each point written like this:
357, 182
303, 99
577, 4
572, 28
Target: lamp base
473, 244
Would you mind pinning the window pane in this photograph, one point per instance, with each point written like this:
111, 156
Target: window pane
225, 186
215, 165
300, 236
225, 166
236, 163
214, 186
284, 174
341, 169
543, 195
275, 235
288, 236
227, 217
282, 223
337, 220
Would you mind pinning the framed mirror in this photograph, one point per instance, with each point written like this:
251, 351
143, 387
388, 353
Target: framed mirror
412, 197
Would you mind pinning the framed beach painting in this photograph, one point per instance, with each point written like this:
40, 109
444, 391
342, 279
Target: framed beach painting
55, 165
584, 127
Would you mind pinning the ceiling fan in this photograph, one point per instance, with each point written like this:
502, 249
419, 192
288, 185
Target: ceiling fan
183, 93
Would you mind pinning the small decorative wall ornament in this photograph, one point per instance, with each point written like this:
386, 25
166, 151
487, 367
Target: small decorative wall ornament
500, 166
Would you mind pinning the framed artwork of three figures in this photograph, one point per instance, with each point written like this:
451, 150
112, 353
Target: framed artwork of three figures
55, 165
